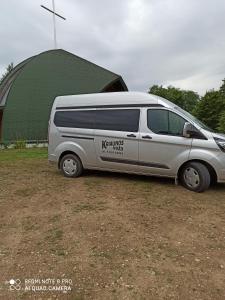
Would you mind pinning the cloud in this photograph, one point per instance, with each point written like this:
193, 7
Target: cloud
148, 42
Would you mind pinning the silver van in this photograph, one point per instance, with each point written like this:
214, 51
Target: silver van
134, 133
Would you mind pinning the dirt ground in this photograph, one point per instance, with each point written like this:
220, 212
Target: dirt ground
114, 236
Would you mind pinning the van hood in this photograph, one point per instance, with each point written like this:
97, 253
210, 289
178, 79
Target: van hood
219, 135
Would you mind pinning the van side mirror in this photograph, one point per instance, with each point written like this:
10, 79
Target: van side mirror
188, 130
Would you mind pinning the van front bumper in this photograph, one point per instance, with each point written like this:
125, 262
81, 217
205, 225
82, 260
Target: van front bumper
221, 176
220, 167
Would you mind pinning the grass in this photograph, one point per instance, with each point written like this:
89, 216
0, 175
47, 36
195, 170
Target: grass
29, 225
115, 235
54, 235
21, 154
93, 182
104, 254
55, 218
98, 206
25, 192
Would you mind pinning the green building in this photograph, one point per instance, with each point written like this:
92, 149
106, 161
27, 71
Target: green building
28, 92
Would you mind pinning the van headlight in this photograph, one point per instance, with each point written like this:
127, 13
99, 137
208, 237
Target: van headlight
220, 143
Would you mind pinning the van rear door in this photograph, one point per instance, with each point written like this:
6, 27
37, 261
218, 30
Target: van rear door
73, 131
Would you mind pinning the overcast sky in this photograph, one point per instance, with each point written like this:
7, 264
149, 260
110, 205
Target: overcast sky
177, 42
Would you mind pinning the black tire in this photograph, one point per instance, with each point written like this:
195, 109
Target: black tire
71, 166
195, 177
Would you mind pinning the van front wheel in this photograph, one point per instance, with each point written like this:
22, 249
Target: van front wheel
71, 166
195, 177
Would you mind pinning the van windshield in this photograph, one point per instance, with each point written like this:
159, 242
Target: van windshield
192, 118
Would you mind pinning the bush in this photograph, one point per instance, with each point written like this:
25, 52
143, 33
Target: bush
20, 144
5, 145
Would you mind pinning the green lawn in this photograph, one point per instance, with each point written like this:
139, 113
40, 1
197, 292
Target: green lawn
19, 154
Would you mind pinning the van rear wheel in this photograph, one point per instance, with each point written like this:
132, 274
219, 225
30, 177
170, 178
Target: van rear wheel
71, 166
195, 177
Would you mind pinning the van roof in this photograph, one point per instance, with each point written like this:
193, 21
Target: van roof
117, 98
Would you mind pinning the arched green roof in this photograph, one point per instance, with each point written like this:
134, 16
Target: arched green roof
36, 82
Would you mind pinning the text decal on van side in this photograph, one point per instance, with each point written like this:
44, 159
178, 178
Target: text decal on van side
115, 146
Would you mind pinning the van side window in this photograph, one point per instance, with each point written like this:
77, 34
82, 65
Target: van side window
176, 124
110, 119
75, 119
165, 122
118, 119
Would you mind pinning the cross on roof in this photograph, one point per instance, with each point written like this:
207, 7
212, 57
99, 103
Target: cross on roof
54, 23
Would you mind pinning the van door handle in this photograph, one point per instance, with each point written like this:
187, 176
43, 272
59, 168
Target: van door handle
147, 137
131, 135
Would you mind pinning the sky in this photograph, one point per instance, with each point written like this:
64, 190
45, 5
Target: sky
147, 42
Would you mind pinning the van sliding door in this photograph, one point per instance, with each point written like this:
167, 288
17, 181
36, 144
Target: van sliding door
116, 139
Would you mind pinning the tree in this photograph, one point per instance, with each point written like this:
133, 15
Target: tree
210, 108
7, 71
221, 127
222, 88
190, 100
184, 98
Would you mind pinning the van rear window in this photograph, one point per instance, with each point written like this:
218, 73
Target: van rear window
75, 119
110, 119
